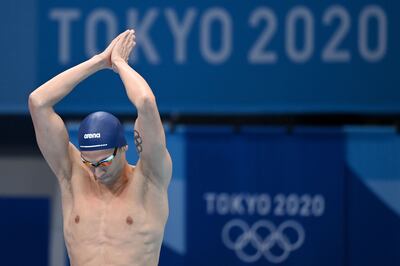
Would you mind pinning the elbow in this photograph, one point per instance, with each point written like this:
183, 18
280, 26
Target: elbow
146, 103
34, 102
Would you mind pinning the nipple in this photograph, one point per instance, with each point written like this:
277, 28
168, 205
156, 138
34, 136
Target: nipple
129, 220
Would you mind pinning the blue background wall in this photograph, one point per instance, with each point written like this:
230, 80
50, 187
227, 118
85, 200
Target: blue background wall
263, 196
245, 57
287, 194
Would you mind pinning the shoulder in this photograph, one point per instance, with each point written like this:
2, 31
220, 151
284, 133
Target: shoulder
76, 174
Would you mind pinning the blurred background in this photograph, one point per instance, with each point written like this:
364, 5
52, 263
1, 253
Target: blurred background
281, 118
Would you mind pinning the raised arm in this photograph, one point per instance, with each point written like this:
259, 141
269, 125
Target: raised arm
51, 134
155, 161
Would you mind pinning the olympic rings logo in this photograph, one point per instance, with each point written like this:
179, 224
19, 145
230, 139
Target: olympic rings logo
263, 246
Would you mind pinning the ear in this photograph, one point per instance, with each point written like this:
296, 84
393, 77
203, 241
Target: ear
124, 148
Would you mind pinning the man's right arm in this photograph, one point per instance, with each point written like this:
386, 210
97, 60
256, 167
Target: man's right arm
51, 133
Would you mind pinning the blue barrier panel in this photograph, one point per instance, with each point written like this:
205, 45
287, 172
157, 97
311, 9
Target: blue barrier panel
212, 56
264, 197
373, 175
24, 231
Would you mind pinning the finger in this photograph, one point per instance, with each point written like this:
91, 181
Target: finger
121, 35
130, 50
128, 42
127, 52
122, 39
131, 40
131, 34
124, 33
127, 36
132, 43
116, 39
124, 53
124, 47
128, 45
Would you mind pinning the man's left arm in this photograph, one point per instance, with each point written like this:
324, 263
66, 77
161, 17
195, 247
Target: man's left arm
155, 161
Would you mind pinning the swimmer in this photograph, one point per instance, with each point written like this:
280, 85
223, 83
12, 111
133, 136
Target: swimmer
114, 213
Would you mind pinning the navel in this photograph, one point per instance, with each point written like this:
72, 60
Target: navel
77, 219
129, 220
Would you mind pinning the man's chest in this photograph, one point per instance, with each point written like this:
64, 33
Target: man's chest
94, 222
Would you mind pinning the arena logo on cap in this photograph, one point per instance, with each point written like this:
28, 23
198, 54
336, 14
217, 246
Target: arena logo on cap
92, 136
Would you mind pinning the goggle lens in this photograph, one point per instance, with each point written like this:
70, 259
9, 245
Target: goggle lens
104, 163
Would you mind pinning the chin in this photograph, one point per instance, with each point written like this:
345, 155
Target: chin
107, 180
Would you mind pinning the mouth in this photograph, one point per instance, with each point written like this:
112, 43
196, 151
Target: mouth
98, 177
104, 178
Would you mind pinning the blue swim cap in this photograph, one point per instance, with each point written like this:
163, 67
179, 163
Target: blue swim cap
100, 131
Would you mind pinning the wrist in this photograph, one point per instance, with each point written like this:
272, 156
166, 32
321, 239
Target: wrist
99, 62
117, 63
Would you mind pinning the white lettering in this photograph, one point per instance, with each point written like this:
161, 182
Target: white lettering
141, 29
251, 204
210, 198
211, 16
92, 136
64, 16
263, 205
215, 27
180, 32
98, 16
223, 201
299, 14
236, 204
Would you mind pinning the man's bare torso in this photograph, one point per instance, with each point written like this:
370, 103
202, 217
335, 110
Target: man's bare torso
122, 229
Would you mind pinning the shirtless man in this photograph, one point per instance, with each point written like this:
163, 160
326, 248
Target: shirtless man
114, 213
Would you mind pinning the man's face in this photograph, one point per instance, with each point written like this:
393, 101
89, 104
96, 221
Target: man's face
102, 163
